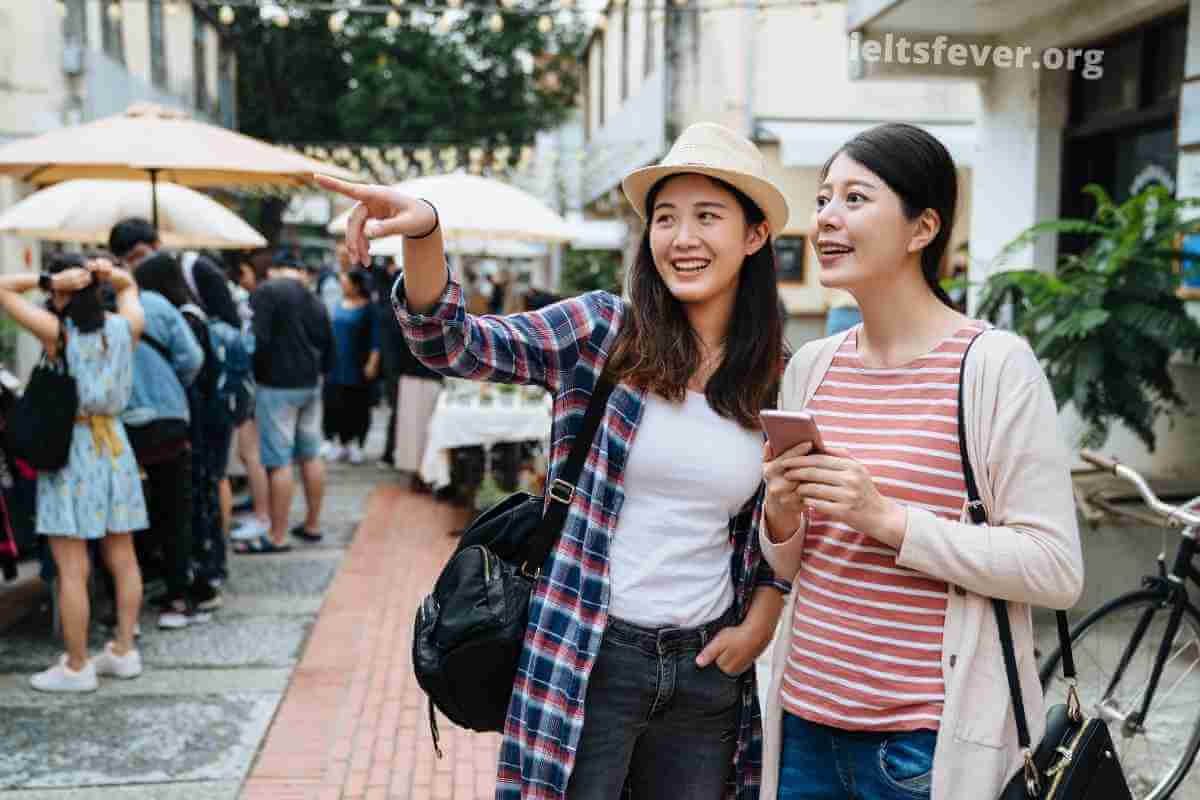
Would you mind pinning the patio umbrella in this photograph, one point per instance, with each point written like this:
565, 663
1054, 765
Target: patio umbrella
471, 207
159, 142
85, 210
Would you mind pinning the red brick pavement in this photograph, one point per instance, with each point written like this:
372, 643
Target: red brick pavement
353, 722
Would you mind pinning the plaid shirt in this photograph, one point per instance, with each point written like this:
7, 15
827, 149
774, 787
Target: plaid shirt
563, 348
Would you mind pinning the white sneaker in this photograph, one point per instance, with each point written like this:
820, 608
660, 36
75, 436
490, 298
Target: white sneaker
250, 529
125, 667
355, 455
334, 451
174, 618
61, 678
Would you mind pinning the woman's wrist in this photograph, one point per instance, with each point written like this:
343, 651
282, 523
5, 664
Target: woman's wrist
782, 525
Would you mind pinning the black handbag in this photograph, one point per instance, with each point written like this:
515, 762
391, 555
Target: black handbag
1076, 759
42, 421
470, 629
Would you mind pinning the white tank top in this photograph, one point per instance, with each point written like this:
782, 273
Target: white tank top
688, 472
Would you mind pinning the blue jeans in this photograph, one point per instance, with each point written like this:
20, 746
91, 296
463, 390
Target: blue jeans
823, 763
654, 723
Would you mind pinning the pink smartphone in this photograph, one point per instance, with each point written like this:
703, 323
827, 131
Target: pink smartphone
786, 429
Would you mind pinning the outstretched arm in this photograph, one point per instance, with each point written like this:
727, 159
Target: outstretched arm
30, 316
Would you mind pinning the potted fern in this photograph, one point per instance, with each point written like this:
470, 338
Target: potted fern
1107, 322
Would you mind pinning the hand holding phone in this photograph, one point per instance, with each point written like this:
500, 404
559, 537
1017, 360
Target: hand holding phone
786, 429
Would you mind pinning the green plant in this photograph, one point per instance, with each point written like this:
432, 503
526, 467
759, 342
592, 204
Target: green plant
589, 270
1107, 321
8, 342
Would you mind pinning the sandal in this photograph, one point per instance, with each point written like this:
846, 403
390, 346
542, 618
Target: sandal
300, 533
261, 545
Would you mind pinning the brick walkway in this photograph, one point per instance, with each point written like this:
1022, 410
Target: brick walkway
353, 722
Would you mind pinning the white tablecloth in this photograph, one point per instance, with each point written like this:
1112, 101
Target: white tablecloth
465, 420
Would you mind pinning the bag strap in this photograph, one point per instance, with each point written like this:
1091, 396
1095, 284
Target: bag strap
562, 490
158, 346
978, 514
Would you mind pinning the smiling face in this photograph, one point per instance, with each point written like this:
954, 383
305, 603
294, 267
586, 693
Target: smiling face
859, 229
699, 238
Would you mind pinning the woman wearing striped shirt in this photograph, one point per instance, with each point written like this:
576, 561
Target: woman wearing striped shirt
888, 680
655, 601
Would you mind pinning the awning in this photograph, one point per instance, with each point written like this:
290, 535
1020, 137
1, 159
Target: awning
807, 143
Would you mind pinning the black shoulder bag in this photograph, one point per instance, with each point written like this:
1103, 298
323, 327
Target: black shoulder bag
42, 422
1076, 759
470, 630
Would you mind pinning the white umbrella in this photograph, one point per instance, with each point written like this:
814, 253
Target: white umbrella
495, 248
471, 207
85, 211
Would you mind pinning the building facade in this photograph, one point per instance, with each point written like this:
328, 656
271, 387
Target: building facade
1103, 91
778, 75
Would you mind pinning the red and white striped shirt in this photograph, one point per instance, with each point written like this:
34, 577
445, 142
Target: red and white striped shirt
867, 634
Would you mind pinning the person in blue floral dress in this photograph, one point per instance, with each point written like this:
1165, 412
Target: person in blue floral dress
98, 494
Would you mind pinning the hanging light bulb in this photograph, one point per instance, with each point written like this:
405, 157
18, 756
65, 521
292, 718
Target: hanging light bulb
61, 8
455, 4
566, 5
114, 11
496, 22
545, 24
398, 3
226, 15
337, 21
508, 3
444, 22
393, 19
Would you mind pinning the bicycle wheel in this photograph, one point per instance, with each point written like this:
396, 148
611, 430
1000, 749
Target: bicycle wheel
1156, 756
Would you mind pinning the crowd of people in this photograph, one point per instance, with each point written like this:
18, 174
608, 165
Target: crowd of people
187, 365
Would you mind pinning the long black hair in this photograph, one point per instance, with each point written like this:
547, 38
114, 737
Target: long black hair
918, 168
161, 273
86, 307
658, 349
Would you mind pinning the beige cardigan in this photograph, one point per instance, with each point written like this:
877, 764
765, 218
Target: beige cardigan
1029, 554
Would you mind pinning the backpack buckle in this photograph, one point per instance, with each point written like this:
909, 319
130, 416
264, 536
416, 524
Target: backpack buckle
562, 491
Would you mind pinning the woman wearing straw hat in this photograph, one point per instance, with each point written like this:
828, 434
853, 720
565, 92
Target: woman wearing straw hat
888, 680
652, 608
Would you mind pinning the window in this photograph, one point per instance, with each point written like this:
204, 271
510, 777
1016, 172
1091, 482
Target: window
648, 53
158, 55
789, 259
624, 51
111, 35
199, 60
1122, 132
75, 24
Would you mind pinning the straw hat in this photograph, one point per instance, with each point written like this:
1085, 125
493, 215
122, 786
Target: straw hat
713, 150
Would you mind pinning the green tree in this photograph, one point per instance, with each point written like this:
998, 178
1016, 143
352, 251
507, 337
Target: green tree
373, 84
1107, 322
589, 270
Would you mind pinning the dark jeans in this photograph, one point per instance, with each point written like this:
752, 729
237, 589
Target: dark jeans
169, 504
655, 720
349, 412
210, 456
823, 763
391, 390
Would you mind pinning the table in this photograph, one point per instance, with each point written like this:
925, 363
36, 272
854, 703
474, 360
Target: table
481, 415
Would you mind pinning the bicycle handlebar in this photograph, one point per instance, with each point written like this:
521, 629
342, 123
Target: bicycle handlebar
1103, 462
1188, 518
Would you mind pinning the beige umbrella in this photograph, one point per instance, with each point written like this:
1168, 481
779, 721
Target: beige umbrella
474, 208
85, 211
160, 142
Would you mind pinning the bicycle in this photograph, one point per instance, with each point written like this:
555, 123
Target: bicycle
1138, 658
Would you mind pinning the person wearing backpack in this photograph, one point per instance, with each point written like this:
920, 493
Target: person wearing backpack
211, 428
166, 362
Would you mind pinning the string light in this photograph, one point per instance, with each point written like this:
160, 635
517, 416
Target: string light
566, 5
337, 21
455, 4
226, 15
444, 22
496, 23
398, 3
393, 19
114, 11
545, 24
61, 8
